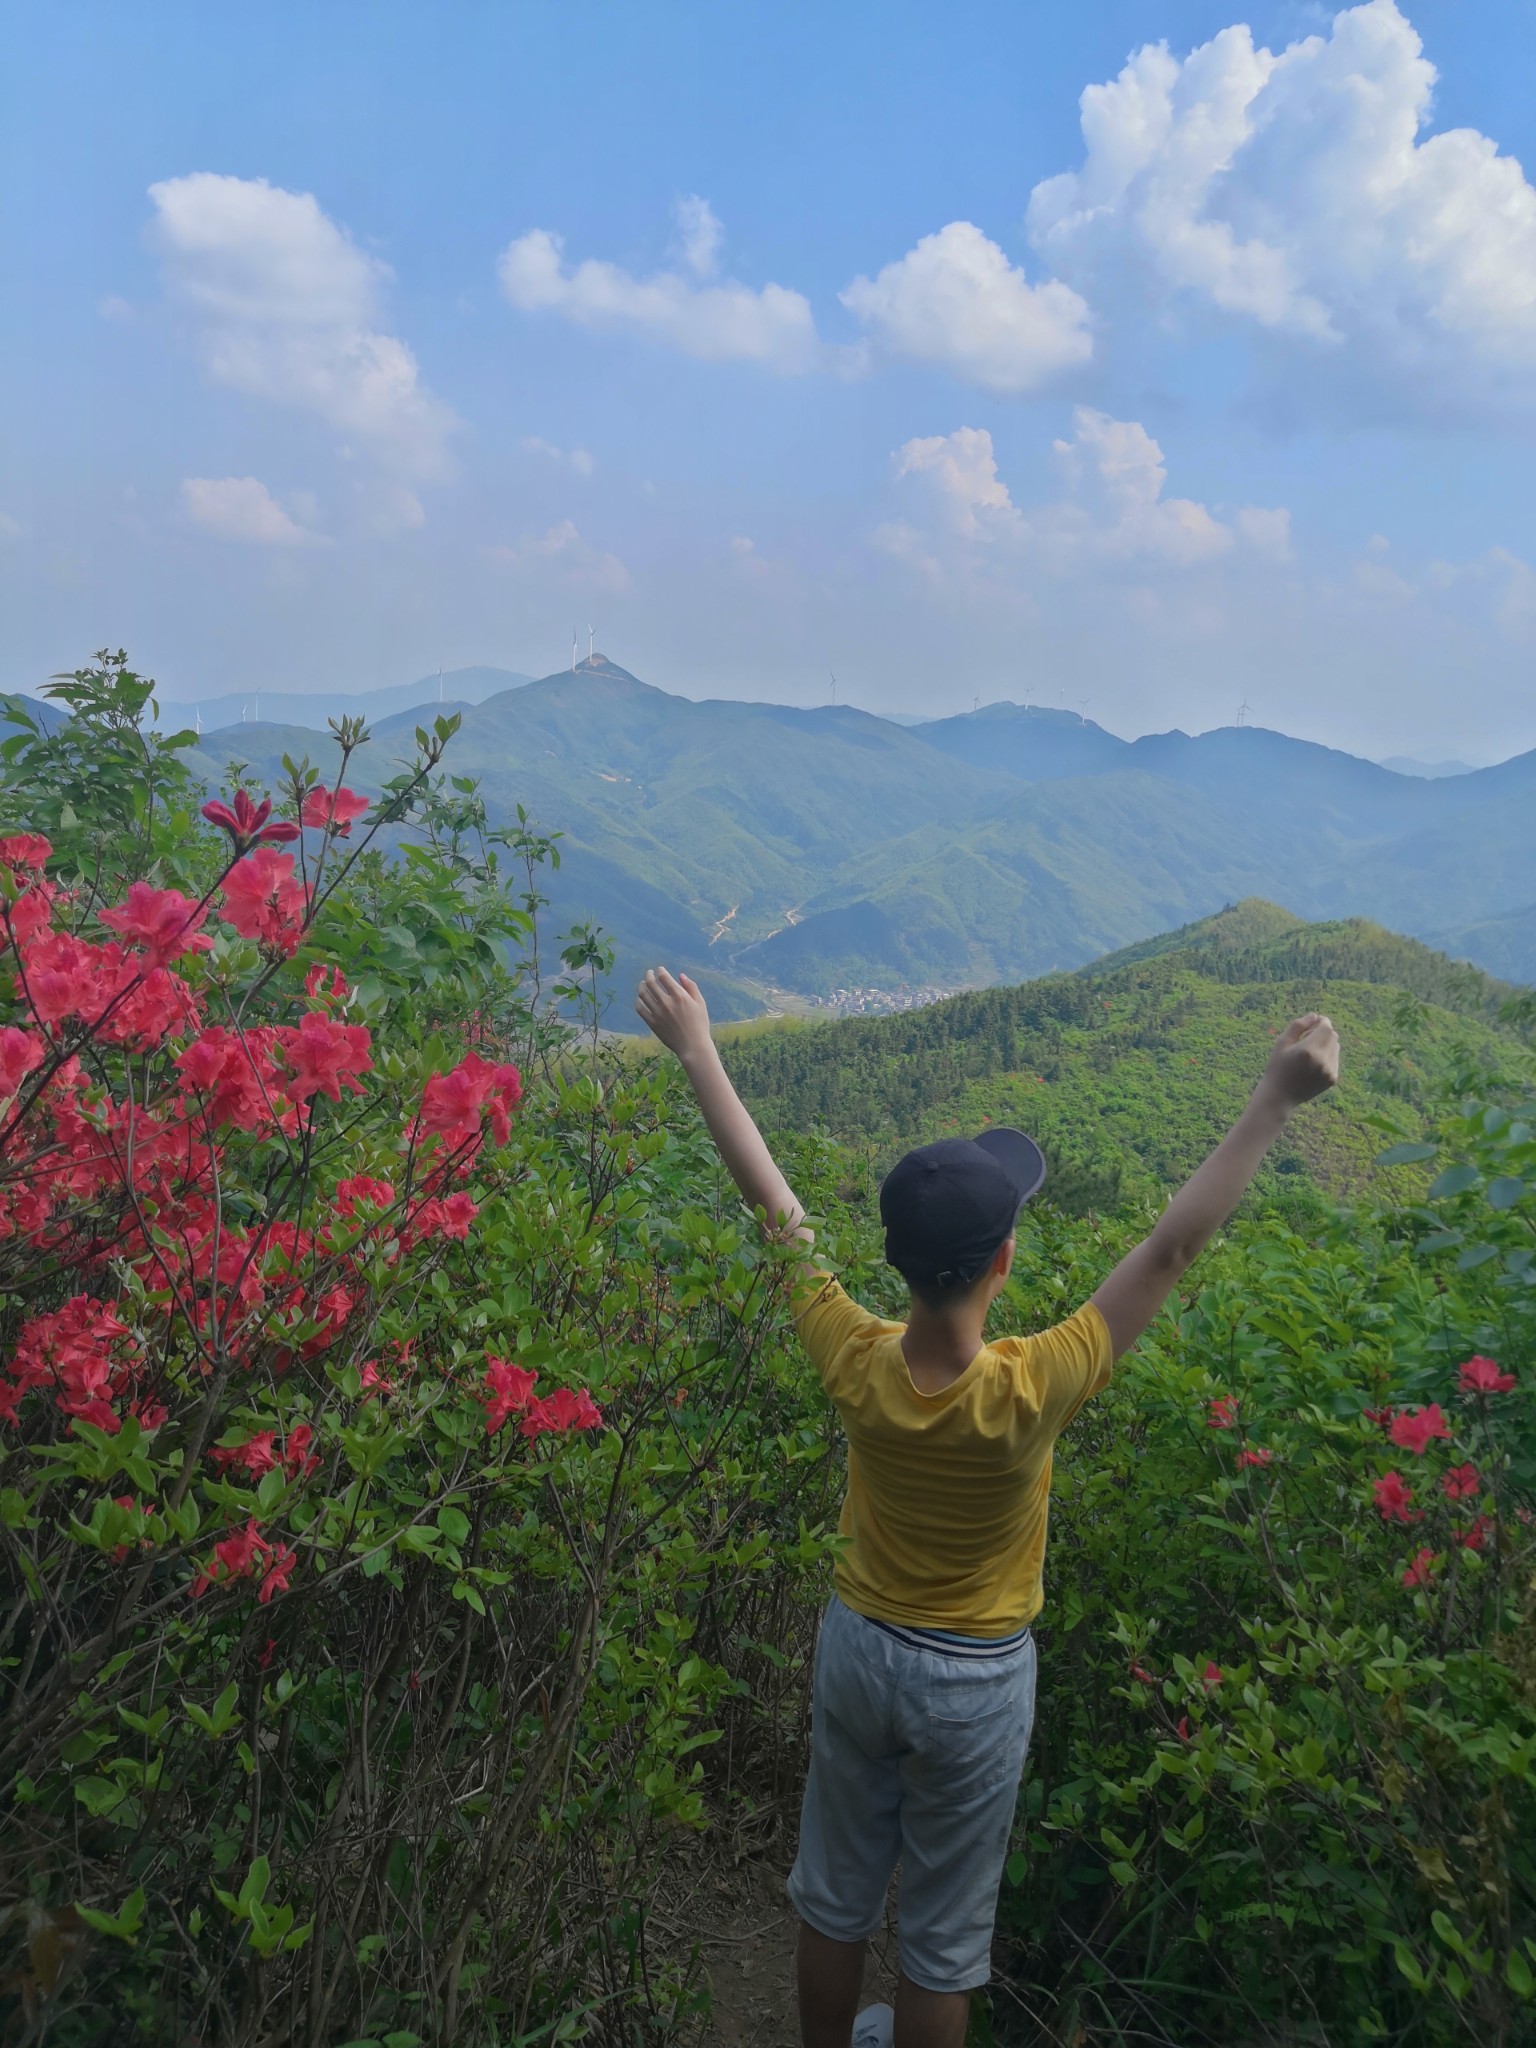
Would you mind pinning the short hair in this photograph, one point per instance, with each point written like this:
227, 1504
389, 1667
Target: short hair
942, 1294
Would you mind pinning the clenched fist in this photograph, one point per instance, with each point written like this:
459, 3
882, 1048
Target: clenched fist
1305, 1061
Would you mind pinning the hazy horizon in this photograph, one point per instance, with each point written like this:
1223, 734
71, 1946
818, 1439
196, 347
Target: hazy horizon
1152, 359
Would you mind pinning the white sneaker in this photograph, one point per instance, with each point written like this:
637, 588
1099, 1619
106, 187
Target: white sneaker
875, 2027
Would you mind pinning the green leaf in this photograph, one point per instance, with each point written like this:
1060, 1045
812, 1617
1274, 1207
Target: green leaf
1406, 1154
1506, 1191
1017, 1867
124, 1924
1454, 1181
1517, 1975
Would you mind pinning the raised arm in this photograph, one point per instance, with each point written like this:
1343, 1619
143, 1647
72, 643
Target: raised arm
1304, 1063
676, 1012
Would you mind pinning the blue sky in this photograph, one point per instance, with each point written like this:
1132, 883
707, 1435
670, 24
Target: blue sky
776, 340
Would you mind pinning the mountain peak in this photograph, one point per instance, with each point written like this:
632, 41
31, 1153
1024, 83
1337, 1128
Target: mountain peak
597, 666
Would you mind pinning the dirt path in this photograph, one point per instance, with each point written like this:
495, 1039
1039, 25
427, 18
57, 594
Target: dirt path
749, 1957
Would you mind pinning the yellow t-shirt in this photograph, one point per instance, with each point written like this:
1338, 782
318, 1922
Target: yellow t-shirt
947, 1493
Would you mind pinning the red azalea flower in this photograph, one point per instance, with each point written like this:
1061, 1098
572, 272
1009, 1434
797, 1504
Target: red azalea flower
279, 1570
333, 813
298, 1460
314, 981
247, 823
1380, 1416
263, 900
20, 1053
323, 1056
1254, 1457
1482, 1376
451, 1103
1210, 1677
66, 977
1461, 1482
1475, 1535
1422, 1570
562, 1410
1394, 1498
1142, 1675
362, 1188
511, 1390
162, 923
23, 850
266, 1656
373, 1382
1413, 1429
1222, 1412
1184, 1731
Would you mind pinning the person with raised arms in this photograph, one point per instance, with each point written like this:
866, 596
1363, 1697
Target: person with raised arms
923, 1694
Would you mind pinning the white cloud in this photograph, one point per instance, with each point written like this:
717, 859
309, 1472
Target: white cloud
242, 508
723, 322
956, 301
962, 470
1267, 530
578, 459
1296, 195
562, 553
288, 309
389, 510
1112, 511
1116, 473
114, 308
700, 234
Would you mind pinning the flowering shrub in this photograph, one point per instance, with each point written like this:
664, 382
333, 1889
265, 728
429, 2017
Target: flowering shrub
1284, 1780
355, 1535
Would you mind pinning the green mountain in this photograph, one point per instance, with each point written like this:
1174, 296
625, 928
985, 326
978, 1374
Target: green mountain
1128, 1071
777, 849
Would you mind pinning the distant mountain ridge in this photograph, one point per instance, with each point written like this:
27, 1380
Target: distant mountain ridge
786, 852
312, 708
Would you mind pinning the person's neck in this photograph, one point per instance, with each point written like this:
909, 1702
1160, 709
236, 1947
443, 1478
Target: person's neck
939, 1343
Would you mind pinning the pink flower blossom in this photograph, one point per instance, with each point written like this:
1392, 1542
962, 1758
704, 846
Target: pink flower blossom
1461, 1482
20, 1053
1422, 1570
1414, 1428
511, 1390
1211, 1677
1260, 1457
162, 923
324, 1056
1222, 1412
21, 850
247, 823
264, 900
1482, 1376
1394, 1499
333, 813
1475, 1535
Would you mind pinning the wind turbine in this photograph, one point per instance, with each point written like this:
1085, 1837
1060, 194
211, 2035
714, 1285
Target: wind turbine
439, 682
573, 650
591, 640
197, 716
834, 686
1243, 712
976, 703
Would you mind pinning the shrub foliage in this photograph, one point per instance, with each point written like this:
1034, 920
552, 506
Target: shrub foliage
415, 1516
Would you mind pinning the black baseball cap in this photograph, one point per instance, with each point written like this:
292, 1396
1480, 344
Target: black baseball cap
947, 1207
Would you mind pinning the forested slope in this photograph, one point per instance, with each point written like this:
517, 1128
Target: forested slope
1129, 1070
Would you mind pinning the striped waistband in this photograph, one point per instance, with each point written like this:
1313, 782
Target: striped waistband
939, 1642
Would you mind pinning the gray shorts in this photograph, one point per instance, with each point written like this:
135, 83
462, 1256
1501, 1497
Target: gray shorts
916, 1757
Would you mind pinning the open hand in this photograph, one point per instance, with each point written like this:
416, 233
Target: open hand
675, 1011
1305, 1060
